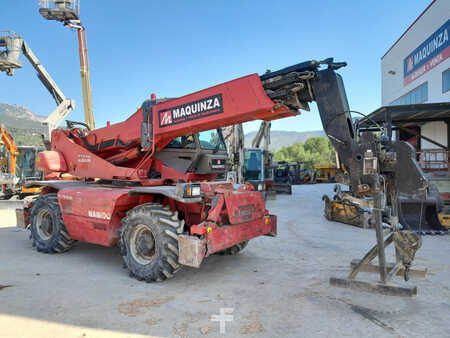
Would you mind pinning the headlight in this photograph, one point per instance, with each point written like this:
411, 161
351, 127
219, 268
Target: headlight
191, 190
260, 187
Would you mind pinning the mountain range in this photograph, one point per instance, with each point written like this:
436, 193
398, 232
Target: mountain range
14, 116
20, 121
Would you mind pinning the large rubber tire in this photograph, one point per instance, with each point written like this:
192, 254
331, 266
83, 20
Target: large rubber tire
48, 232
149, 242
234, 249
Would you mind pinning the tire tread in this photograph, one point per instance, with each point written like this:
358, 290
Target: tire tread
166, 265
61, 241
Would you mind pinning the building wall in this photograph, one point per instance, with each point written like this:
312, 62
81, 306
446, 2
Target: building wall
393, 84
437, 131
395, 88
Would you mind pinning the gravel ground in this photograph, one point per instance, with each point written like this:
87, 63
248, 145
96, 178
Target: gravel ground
277, 287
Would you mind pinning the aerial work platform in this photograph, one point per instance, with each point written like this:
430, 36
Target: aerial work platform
60, 10
10, 50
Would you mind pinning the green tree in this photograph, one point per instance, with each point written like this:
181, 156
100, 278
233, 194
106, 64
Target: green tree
316, 151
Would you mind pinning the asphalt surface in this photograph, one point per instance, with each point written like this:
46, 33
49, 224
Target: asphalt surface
277, 287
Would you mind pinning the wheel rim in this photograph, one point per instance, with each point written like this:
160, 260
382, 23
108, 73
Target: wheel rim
44, 224
142, 244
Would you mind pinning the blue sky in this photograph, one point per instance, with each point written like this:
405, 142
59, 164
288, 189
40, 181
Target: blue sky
173, 48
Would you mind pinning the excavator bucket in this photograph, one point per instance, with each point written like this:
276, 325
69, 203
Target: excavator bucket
421, 216
341, 211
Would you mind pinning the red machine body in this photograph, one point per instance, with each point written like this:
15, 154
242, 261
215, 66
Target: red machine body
116, 163
237, 101
92, 213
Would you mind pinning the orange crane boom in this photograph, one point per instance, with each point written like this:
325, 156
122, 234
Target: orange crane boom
67, 12
10, 145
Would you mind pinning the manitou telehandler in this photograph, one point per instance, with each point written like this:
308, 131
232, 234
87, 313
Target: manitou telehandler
149, 181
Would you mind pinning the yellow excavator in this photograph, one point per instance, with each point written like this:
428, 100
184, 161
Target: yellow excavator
17, 165
8, 158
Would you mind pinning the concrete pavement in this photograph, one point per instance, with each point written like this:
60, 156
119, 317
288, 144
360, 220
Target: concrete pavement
277, 287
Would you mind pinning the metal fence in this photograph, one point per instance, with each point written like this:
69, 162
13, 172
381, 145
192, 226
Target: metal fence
434, 159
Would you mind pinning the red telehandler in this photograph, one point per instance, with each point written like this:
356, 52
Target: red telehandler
149, 183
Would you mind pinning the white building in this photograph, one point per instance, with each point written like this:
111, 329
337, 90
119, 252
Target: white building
416, 69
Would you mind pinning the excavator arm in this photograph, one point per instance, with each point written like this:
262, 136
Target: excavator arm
263, 133
8, 177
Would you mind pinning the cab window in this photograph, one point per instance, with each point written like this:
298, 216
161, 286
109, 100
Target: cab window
252, 165
182, 142
211, 139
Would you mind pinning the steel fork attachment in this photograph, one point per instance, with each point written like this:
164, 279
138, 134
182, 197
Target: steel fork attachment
406, 245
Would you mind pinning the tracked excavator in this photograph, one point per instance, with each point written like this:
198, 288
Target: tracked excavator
253, 165
268, 166
149, 182
8, 158
17, 165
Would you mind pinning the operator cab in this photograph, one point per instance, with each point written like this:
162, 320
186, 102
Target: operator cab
282, 172
253, 165
258, 168
26, 168
201, 153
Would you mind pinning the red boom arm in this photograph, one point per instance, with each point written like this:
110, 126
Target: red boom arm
95, 154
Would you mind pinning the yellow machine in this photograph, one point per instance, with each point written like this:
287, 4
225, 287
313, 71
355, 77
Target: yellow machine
325, 173
8, 159
344, 208
17, 165
8, 142
442, 182
445, 219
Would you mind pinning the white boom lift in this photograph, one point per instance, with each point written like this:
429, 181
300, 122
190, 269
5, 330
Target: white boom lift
11, 47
